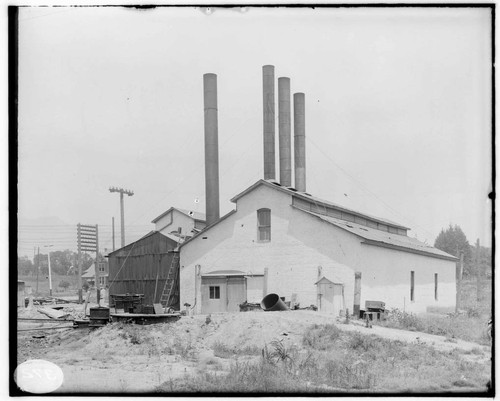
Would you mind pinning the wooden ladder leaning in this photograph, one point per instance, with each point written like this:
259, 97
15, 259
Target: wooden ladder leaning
168, 288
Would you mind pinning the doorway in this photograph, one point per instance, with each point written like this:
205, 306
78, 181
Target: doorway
222, 294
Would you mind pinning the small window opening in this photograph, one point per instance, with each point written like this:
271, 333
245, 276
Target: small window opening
412, 286
214, 292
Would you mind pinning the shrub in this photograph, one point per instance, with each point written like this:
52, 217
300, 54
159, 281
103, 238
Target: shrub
321, 337
64, 284
403, 320
222, 350
361, 342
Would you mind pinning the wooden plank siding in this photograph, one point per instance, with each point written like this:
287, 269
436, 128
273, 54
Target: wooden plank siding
134, 268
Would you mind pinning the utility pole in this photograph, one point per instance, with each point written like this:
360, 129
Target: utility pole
50, 271
97, 275
129, 193
459, 273
478, 273
80, 294
37, 270
113, 228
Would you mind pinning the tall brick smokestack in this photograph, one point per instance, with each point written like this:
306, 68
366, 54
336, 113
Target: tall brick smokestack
211, 148
299, 144
284, 131
269, 122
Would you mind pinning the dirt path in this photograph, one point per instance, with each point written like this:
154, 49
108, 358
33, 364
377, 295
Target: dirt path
469, 350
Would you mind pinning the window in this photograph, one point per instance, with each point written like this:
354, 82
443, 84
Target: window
101, 267
214, 292
101, 280
436, 286
264, 224
412, 286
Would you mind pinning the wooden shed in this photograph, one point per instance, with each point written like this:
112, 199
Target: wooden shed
143, 266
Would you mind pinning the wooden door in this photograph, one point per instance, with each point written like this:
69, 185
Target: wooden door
236, 293
213, 295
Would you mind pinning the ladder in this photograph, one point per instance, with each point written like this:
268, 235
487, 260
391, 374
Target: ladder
168, 288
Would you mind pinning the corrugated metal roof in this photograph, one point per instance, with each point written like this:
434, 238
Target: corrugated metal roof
381, 238
318, 201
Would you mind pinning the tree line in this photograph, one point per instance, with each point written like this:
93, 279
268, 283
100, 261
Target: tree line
64, 263
477, 259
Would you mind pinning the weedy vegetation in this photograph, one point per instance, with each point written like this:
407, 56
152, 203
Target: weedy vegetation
330, 360
470, 324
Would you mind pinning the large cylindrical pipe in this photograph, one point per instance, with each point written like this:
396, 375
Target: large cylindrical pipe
211, 148
284, 131
299, 144
269, 122
272, 302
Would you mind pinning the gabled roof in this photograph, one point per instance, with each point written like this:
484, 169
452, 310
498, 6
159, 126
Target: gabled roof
386, 239
321, 202
202, 232
171, 237
194, 215
324, 279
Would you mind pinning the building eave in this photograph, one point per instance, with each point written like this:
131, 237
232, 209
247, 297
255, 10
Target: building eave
310, 198
368, 241
409, 250
207, 228
162, 215
180, 211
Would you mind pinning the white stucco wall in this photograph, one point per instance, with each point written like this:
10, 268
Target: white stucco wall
173, 220
300, 243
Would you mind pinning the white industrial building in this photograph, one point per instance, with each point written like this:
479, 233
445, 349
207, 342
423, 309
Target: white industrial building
282, 240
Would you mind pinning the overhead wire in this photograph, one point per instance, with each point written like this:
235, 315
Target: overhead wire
364, 188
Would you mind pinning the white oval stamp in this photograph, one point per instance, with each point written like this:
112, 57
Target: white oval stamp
38, 376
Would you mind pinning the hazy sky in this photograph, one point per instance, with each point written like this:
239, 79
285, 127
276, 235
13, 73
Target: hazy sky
398, 112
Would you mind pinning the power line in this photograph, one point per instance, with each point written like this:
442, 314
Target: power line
362, 186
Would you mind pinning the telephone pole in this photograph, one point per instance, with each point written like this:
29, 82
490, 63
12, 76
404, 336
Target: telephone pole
129, 193
113, 226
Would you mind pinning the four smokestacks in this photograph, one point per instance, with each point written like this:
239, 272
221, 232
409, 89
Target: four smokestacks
285, 141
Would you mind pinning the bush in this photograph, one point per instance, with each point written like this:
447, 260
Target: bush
362, 342
321, 337
403, 320
64, 284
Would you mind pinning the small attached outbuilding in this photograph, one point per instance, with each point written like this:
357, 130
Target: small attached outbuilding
330, 296
144, 266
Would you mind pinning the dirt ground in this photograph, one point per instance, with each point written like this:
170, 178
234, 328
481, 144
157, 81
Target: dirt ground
102, 360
